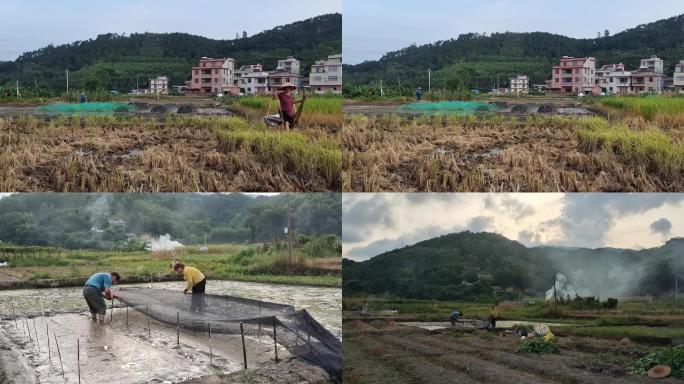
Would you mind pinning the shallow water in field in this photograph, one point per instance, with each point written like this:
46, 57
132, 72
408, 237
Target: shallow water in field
123, 350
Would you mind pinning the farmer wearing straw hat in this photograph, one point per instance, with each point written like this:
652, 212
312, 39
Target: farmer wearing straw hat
287, 103
196, 282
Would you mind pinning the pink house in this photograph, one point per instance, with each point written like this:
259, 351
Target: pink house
213, 76
574, 75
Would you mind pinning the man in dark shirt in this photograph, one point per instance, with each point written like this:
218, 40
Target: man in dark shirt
287, 103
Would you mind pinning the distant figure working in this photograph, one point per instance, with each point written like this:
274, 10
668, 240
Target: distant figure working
287, 104
493, 316
96, 289
83, 98
196, 282
455, 315
419, 93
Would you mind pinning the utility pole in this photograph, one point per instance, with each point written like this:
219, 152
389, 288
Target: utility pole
18, 93
429, 80
289, 227
67, 76
382, 91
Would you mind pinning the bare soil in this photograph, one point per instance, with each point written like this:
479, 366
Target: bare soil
401, 354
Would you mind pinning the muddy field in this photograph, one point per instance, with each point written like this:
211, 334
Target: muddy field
121, 353
386, 352
465, 153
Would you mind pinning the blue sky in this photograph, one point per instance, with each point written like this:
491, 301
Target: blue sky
29, 25
373, 27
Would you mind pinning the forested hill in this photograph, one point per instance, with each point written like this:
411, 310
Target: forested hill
472, 266
88, 221
113, 61
474, 60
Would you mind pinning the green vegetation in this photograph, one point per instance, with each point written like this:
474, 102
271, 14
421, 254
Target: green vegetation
487, 267
673, 357
267, 263
482, 61
647, 107
658, 152
112, 61
69, 220
314, 104
539, 346
297, 152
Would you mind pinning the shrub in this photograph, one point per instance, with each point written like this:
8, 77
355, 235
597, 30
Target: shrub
538, 345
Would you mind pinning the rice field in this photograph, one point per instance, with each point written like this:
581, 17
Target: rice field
507, 154
173, 153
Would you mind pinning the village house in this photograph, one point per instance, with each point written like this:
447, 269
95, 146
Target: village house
678, 78
520, 84
159, 84
646, 80
603, 76
574, 75
618, 83
326, 75
255, 83
290, 65
213, 76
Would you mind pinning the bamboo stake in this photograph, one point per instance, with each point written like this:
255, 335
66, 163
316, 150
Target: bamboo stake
178, 329
244, 350
111, 312
78, 358
149, 330
275, 340
47, 335
35, 331
211, 352
59, 353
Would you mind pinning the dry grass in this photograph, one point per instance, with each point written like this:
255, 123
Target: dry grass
447, 153
174, 154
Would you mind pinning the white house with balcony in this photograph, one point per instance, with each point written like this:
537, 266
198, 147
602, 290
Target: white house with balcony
678, 78
159, 84
326, 75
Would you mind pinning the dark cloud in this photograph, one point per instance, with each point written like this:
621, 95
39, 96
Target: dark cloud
661, 226
360, 217
481, 223
380, 246
589, 216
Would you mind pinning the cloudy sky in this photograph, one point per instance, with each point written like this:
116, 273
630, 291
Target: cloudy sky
375, 223
30, 25
374, 27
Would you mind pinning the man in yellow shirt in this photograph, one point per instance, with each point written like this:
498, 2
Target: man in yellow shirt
196, 282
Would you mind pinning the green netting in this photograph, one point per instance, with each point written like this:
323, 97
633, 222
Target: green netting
86, 108
449, 107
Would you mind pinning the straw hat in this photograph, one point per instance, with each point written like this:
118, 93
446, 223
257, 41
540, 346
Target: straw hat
659, 372
288, 85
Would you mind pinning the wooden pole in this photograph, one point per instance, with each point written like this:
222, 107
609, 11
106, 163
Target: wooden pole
178, 329
275, 339
149, 330
35, 331
111, 312
126, 316
211, 352
59, 353
47, 335
244, 350
78, 358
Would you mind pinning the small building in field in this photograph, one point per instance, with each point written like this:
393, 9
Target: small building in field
678, 77
159, 84
520, 84
326, 75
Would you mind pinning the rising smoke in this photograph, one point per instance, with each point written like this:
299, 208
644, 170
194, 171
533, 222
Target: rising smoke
163, 243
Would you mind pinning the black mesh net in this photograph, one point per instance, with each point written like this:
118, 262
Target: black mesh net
297, 331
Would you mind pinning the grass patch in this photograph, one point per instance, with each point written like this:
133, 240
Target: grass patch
647, 107
295, 151
618, 332
539, 346
651, 148
674, 357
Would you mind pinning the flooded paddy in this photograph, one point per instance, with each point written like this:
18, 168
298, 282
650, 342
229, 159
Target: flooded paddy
124, 350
